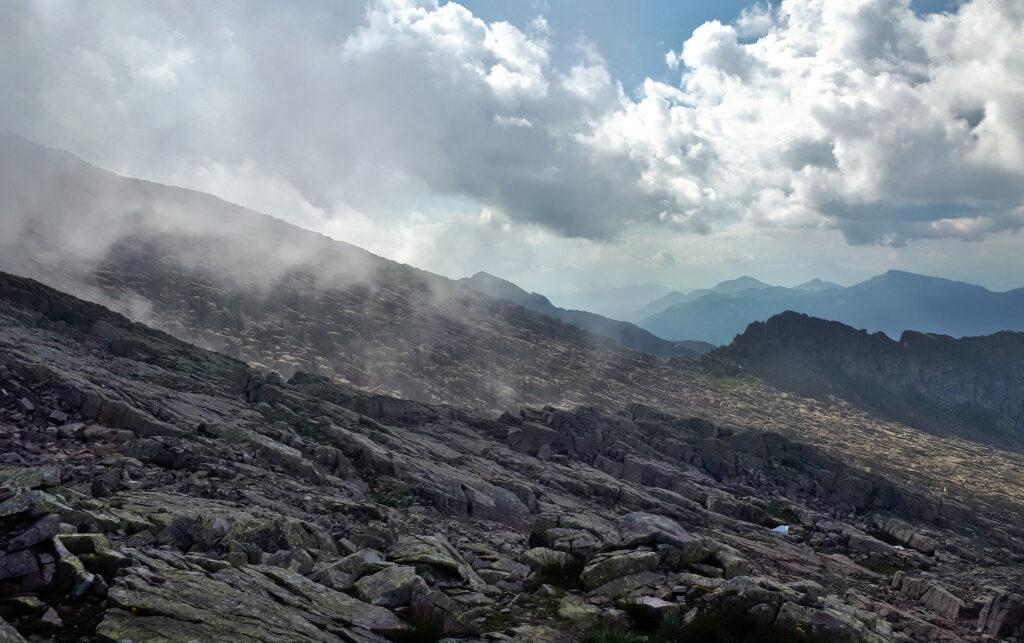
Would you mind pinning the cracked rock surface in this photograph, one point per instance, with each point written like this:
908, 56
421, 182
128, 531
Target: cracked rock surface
151, 490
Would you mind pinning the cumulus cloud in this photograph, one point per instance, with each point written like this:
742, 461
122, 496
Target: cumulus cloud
663, 258
861, 116
755, 21
853, 115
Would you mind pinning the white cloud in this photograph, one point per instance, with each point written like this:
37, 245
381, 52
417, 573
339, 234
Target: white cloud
755, 21
856, 116
861, 115
512, 121
588, 82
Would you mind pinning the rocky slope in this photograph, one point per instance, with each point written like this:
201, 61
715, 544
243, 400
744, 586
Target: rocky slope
153, 490
972, 387
622, 333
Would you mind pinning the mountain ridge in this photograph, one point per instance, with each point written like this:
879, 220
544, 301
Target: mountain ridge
972, 386
729, 286
890, 303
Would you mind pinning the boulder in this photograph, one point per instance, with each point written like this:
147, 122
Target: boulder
572, 534
614, 564
931, 593
163, 597
741, 593
434, 552
574, 610
1003, 615
539, 558
718, 457
37, 503
906, 535
865, 544
17, 564
30, 478
654, 609
8, 634
72, 576
623, 587
641, 528
941, 601
533, 439
42, 529
809, 589
827, 625
391, 587
297, 560
439, 609
732, 563
579, 542
342, 574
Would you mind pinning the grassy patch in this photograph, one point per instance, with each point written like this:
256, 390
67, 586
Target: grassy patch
564, 576
734, 382
728, 628
421, 626
391, 494
610, 634
882, 566
543, 606
782, 512
496, 621
641, 616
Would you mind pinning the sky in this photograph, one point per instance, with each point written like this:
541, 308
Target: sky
566, 145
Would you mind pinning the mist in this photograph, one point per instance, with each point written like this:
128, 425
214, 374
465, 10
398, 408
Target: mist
277, 296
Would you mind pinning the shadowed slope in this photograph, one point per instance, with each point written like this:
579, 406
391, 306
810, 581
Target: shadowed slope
972, 387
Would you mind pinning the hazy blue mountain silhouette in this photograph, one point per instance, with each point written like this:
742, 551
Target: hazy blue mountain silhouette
890, 303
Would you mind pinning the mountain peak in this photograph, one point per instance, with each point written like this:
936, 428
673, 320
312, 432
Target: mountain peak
913, 279
818, 285
490, 285
739, 284
745, 280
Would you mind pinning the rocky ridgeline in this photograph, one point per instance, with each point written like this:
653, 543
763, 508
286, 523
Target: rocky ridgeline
973, 386
152, 490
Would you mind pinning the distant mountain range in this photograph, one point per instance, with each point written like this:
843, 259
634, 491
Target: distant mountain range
729, 287
623, 333
611, 302
817, 285
889, 303
971, 387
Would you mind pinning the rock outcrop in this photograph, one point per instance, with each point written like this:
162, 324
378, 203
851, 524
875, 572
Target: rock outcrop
972, 387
